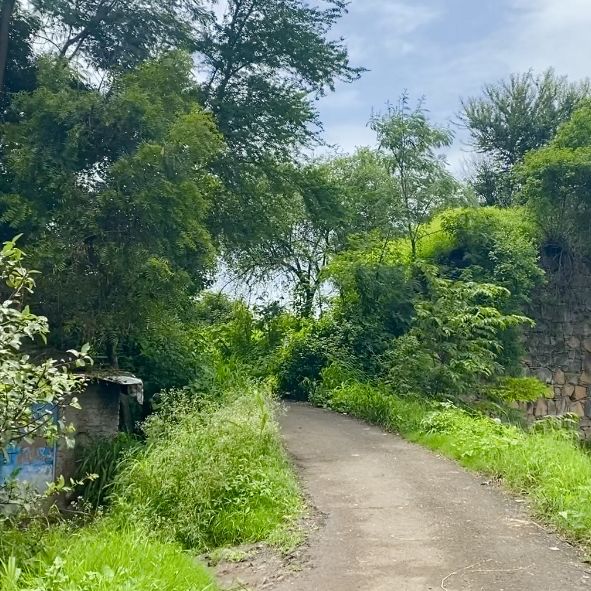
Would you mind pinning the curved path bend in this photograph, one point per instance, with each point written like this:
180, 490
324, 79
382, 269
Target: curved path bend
400, 518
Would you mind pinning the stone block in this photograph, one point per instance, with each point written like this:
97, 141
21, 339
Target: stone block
541, 408
578, 409
544, 375
559, 378
587, 345
573, 343
585, 378
568, 390
580, 393
562, 406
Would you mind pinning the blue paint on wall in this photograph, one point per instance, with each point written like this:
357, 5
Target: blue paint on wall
33, 463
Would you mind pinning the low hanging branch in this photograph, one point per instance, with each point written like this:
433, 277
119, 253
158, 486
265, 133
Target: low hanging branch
32, 395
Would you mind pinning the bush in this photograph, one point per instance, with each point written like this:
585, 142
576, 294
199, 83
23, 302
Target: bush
374, 306
213, 476
103, 558
455, 342
169, 353
301, 360
489, 245
524, 389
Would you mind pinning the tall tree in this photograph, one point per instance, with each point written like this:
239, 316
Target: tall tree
511, 118
300, 232
263, 61
422, 184
112, 192
106, 35
116, 34
556, 182
17, 64
6, 14
368, 192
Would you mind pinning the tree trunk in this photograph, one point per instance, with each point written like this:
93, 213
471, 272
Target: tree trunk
112, 346
307, 301
5, 19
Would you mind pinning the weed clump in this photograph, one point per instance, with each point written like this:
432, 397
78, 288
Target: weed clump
214, 476
105, 558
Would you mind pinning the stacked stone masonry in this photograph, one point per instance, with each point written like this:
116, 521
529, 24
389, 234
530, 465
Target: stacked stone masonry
559, 346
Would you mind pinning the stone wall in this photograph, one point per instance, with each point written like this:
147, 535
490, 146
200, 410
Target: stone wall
559, 346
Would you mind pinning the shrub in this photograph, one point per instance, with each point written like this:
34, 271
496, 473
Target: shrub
213, 476
455, 342
301, 360
523, 389
375, 303
169, 353
489, 245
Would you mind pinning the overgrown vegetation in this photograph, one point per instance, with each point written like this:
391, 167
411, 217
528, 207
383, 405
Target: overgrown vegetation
208, 471
152, 150
226, 479
105, 558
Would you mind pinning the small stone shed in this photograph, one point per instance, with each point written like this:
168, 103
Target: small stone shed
108, 404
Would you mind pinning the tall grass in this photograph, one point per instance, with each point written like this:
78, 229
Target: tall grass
211, 476
105, 558
103, 458
548, 465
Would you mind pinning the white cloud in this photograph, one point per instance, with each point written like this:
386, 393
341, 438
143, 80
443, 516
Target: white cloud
551, 33
398, 18
450, 50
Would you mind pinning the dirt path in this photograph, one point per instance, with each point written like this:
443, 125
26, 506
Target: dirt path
399, 518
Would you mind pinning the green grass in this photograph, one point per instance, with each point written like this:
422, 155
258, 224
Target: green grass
549, 466
212, 477
105, 558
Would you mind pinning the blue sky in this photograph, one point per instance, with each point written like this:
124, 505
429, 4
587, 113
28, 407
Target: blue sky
447, 49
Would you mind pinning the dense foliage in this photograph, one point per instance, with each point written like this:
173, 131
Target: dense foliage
511, 118
152, 151
556, 181
226, 480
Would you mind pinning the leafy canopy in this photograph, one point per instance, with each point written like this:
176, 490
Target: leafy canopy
511, 118
409, 143
557, 185
113, 192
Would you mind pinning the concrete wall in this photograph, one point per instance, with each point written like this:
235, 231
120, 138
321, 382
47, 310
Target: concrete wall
559, 347
98, 419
